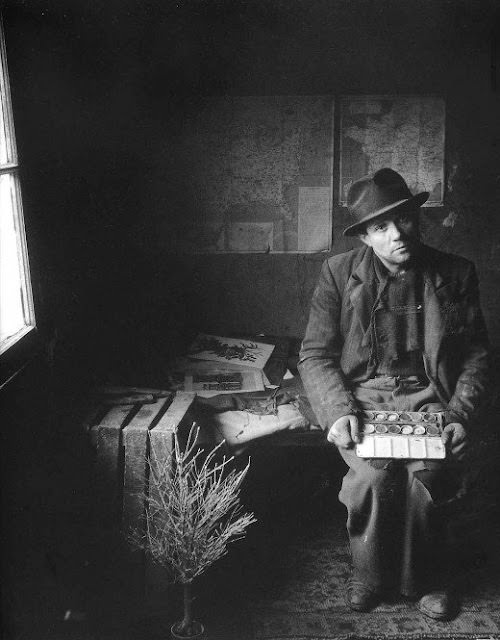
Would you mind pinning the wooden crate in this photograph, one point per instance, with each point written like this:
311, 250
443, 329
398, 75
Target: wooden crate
122, 435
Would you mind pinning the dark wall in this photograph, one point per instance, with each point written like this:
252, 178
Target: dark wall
101, 92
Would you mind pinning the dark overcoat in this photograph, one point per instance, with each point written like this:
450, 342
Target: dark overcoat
336, 350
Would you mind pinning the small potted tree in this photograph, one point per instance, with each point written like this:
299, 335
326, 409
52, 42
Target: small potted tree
193, 511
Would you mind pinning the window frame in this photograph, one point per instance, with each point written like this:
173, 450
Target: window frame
20, 347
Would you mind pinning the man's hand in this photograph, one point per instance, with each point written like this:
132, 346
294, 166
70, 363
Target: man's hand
454, 438
344, 432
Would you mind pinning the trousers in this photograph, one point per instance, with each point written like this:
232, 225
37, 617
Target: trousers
396, 532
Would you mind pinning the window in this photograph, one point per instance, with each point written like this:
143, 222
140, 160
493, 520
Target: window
17, 317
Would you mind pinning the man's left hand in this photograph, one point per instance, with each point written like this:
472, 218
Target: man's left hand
454, 438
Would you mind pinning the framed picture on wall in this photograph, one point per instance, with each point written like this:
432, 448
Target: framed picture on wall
406, 133
259, 174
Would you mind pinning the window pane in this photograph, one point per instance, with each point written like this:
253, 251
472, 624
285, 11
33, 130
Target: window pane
16, 307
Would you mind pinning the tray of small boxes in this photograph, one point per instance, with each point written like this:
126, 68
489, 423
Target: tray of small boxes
401, 434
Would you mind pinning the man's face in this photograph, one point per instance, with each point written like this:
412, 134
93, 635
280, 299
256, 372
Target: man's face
394, 238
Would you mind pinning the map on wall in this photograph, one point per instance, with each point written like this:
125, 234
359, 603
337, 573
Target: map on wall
405, 133
260, 175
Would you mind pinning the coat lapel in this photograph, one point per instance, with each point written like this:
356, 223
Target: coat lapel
436, 292
363, 292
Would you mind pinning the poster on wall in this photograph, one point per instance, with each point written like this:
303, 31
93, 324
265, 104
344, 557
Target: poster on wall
406, 133
260, 175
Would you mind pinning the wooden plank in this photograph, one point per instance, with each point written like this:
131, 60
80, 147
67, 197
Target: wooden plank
162, 435
179, 414
133, 398
117, 390
109, 457
135, 470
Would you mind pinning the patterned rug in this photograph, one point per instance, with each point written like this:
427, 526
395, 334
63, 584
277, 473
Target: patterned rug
305, 600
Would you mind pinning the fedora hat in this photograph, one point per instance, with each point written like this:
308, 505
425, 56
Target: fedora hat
384, 191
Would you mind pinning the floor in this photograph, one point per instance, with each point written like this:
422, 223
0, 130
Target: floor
63, 571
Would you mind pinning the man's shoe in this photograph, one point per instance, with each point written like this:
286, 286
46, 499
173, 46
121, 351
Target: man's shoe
439, 605
360, 597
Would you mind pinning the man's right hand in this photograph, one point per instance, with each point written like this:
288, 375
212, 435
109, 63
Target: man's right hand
344, 432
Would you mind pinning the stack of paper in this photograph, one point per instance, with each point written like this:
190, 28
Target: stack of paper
216, 364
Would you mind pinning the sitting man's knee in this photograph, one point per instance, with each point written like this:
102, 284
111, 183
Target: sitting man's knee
384, 476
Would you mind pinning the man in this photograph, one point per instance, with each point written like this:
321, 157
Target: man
395, 325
